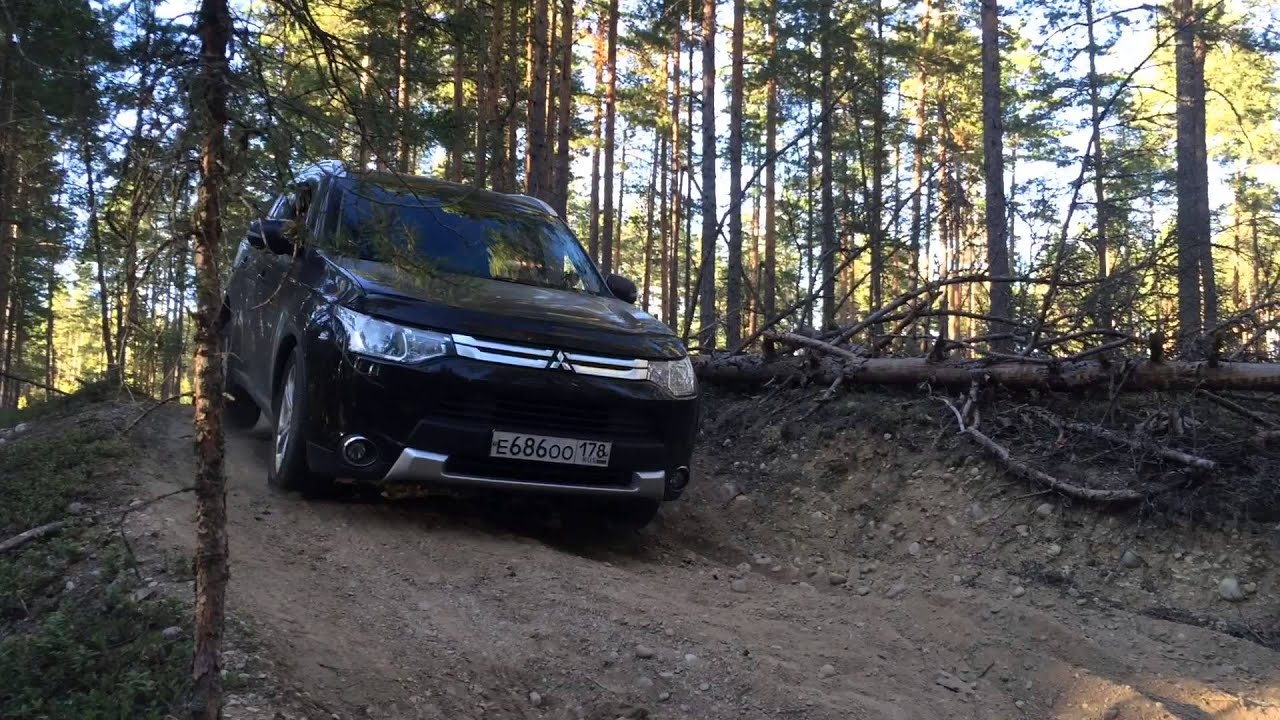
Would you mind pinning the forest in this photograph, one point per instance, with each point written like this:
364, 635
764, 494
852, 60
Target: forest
754, 165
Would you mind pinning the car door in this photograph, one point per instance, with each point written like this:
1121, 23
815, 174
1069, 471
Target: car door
275, 280
239, 288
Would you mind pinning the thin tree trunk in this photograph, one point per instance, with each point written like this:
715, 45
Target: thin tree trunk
690, 300
664, 224
610, 133
536, 149
672, 294
593, 237
769, 289
1099, 175
828, 201
648, 224
366, 129
875, 208
993, 166
209, 99
564, 109
50, 373
99, 257
507, 146
404, 32
457, 146
1193, 171
707, 294
733, 281
619, 223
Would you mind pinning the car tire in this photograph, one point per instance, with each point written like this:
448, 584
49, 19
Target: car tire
288, 464
240, 411
632, 514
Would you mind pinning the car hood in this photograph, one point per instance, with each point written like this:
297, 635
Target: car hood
509, 311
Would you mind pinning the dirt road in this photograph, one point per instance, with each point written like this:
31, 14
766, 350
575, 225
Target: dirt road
726, 609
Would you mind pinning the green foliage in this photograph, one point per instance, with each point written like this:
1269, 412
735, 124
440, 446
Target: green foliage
73, 644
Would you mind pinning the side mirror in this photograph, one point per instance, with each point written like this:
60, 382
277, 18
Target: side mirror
622, 288
270, 235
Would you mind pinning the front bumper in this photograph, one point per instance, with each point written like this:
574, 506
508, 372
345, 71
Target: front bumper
432, 426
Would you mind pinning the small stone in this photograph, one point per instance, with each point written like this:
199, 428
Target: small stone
69, 586
1019, 591
690, 658
643, 652
827, 670
704, 687
1251, 588
21, 428
914, 549
1130, 559
863, 590
888, 436
895, 591
1019, 704
739, 585
1054, 550
1229, 589
836, 579
142, 594
1044, 510
172, 632
1111, 714
645, 683
1022, 530
664, 696
77, 508
744, 567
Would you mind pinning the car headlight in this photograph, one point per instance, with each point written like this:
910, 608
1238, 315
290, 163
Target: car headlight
674, 376
389, 341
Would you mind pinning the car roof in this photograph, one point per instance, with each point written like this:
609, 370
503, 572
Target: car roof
428, 185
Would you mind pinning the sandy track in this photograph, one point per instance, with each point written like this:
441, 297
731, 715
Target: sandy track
453, 609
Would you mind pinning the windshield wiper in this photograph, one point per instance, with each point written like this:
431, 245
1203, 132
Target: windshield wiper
551, 286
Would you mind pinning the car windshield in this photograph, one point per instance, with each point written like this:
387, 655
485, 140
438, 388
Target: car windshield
453, 229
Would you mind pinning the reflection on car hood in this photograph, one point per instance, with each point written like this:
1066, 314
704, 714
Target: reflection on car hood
510, 311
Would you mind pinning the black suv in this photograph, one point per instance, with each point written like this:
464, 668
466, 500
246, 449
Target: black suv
404, 330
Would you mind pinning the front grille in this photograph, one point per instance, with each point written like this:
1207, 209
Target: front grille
505, 469
548, 416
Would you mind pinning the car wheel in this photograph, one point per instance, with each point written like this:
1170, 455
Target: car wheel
241, 412
289, 469
632, 514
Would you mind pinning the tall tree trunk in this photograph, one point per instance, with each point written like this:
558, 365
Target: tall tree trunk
672, 294
707, 299
366, 115
769, 289
458, 143
536, 150
1193, 173
648, 215
993, 169
404, 33
601, 56
99, 257
50, 371
690, 300
507, 149
620, 221
209, 100
875, 208
8, 160
610, 132
664, 224
564, 124
1099, 174
489, 118
733, 283
918, 149
826, 131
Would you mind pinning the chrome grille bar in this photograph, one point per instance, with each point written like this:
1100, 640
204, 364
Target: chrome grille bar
544, 358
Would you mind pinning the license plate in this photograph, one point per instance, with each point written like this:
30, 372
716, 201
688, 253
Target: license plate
540, 448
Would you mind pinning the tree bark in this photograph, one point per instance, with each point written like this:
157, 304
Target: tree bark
707, 283
593, 236
648, 225
672, 293
610, 132
209, 100
404, 36
564, 129
1099, 170
99, 257
458, 145
875, 206
993, 169
1192, 175
616, 262
733, 280
536, 155
826, 132
769, 283
919, 161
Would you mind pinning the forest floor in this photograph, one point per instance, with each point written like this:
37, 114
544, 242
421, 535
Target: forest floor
848, 563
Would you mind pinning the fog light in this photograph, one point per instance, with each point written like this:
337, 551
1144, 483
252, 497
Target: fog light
359, 451
679, 478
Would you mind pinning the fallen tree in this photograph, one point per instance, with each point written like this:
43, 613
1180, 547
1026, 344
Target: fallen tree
1131, 374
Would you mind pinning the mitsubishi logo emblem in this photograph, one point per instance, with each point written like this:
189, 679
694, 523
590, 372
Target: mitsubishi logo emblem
559, 361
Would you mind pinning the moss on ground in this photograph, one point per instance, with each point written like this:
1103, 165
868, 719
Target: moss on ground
77, 637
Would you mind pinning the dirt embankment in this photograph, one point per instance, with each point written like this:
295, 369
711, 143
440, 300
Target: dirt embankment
848, 564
